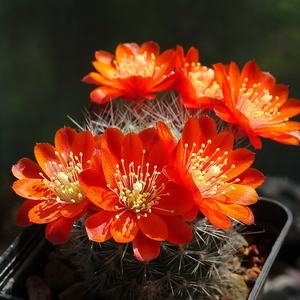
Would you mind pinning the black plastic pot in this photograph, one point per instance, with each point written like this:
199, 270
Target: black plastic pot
275, 219
26, 255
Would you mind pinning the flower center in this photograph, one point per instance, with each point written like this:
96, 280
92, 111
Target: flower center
137, 65
64, 183
258, 105
137, 191
202, 79
208, 171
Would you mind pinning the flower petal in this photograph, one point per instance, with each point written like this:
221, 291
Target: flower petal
239, 212
289, 109
132, 150
251, 177
83, 147
148, 138
177, 202
63, 140
166, 63
105, 93
151, 48
75, 210
208, 126
224, 141
124, 227
145, 249
105, 64
45, 153
59, 230
216, 218
240, 194
112, 139
191, 214
22, 218
26, 168
289, 138
192, 133
94, 185
241, 159
98, 226
192, 56
125, 50
31, 188
97, 78
179, 232
153, 227
45, 212
109, 165
172, 174
166, 136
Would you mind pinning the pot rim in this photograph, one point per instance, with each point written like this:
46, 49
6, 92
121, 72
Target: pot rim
285, 219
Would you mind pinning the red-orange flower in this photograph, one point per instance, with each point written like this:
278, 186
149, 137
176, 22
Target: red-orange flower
219, 178
135, 72
138, 204
198, 84
256, 104
51, 185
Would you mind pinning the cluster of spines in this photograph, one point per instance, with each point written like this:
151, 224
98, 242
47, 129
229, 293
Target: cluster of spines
110, 271
135, 118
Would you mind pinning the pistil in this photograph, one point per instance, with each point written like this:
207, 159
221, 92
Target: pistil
137, 190
208, 171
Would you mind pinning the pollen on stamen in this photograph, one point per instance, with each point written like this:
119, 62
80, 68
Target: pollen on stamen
136, 188
64, 183
208, 172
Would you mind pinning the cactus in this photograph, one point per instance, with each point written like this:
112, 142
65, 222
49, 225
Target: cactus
158, 186
109, 270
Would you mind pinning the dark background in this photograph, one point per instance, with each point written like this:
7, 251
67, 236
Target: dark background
47, 46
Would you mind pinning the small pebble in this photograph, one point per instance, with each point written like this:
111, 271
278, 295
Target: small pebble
37, 289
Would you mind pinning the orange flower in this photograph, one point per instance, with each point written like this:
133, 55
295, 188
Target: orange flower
198, 83
256, 105
219, 178
135, 72
138, 204
51, 186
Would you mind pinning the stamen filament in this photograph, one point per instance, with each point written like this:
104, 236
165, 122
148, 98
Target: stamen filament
136, 188
64, 183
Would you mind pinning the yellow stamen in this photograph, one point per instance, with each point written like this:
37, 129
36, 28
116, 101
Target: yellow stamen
208, 171
137, 65
64, 183
258, 105
137, 190
203, 81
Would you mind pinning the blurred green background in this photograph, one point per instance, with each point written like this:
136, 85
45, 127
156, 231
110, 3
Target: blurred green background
47, 46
